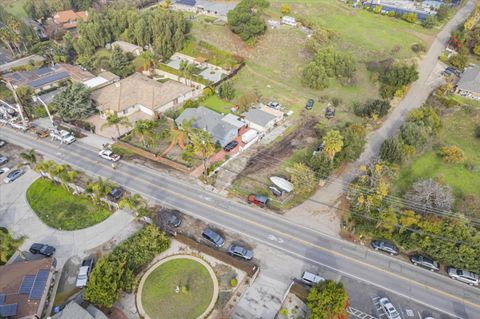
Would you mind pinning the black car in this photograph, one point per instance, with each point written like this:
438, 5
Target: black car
116, 193
385, 246
309, 105
425, 261
329, 112
240, 251
174, 219
42, 249
230, 146
213, 237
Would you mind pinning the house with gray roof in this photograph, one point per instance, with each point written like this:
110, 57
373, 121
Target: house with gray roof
469, 83
262, 118
74, 311
203, 118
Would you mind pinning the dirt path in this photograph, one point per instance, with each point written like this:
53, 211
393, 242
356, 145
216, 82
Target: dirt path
329, 195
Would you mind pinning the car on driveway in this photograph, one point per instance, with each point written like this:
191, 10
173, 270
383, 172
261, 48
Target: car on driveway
258, 200
230, 146
309, 105
425, 261
109, 155
463, 275
213, 237
240, 251
83, 273
13, 175
3, 159
390, 310
385, 246
42, 249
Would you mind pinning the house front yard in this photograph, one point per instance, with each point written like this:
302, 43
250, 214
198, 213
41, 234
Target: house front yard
59, 209
155, 140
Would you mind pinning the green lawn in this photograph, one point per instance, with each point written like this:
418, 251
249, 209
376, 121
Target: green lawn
59, 209
160, 300
458, 130
217, 104
15, 7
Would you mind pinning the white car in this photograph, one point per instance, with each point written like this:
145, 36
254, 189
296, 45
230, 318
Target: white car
464, 276
62, 136
109, 155
390, 310
83, 273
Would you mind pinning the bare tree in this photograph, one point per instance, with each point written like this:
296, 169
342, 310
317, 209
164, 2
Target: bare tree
429, 196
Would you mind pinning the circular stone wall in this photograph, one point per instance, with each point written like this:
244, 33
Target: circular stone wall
182, 286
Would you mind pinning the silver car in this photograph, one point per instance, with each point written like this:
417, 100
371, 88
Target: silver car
390, 310
463, 276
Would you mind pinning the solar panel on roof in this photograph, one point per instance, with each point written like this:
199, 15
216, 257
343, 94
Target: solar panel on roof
43, 71
8, 310
39, 285
2, 299
49, 79
26, 285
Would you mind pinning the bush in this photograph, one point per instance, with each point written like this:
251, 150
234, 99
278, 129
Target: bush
233, 282
208, 91
353, 144
372, 109
452, 154
459, 60
410, 17
246, 20
395, 78
418, 47
191, 104
391, 150
226, 91
321, 165
429, 22
414, 134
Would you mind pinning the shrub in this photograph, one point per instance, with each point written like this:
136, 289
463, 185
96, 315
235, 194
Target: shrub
285, 9
391, 150
321, 165
372, 109
428, 196
233, 282
226, 91
395, 78
208, 91
391, 13
429, 22
246, 20
191, 104
477, 131
410, 17
418, 47
413, 134
452, 154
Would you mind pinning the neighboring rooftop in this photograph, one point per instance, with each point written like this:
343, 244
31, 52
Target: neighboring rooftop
77, 73
259, 116
74, 311
21, 62
25, 284
470, 80
68, 18
137, 89
127, 46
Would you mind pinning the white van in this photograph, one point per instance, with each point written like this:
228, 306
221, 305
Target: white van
311, 279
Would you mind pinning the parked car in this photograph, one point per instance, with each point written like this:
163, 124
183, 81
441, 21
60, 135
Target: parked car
240, 251
329, 112
109, 155
230, 146
62, 136
84, 272
453, 70
275, 105
425, 261
385, 246
13, 175
311, 279
4, 170
3, 159
390, 310
42, 249
275, 191
116, 193
213, 237
2, 143
258, 200
463, 275
309, 105
174, 219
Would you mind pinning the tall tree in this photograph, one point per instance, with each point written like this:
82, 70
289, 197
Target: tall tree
246, 20
74, 102
30, 156
333, 143
203, 146
328, 300
120, 63
303, 179
117, 121
143, 128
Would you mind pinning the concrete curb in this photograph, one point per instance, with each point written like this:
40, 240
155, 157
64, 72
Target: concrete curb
207, 311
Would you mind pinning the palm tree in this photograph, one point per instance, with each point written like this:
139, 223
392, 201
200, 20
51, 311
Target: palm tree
30, 157
190, 70
333, 143
136, 203
203, 146
183, 67
5, 36
143, 128
99, 189
148, 58
67, 175
44, 167
117, 121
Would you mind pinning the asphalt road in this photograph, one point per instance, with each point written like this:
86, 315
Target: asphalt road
388, 274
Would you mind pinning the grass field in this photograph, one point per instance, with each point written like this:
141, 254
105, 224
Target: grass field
59, 209
217, 104
458, 130
15, 7
159, 298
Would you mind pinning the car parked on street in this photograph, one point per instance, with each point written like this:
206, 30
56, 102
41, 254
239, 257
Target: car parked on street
465, 276
240, 251
213, 237
258, 200
109, 155
425, 262
309, 105
4, 170
390, 310
385, 246
3, 159
116, 193
311, 279
230, 146
174, 218
84, 272
42, 249
13, 175
62, 136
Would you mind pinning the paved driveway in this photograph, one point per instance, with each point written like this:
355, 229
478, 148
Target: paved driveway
18, 217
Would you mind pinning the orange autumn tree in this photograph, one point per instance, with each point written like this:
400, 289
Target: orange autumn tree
328, 300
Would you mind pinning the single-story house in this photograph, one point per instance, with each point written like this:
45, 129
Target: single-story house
289, 21
25, 288
75, 311
28, 60
139, 93
68, 19
469, 83
128, 47
47, 77
101, 80
262, 118
222, 131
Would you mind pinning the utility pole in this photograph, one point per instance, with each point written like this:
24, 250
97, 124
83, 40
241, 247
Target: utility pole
204, 161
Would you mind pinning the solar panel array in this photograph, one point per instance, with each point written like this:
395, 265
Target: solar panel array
8, 310
26, 285
2, 299
49, 79
38, 285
